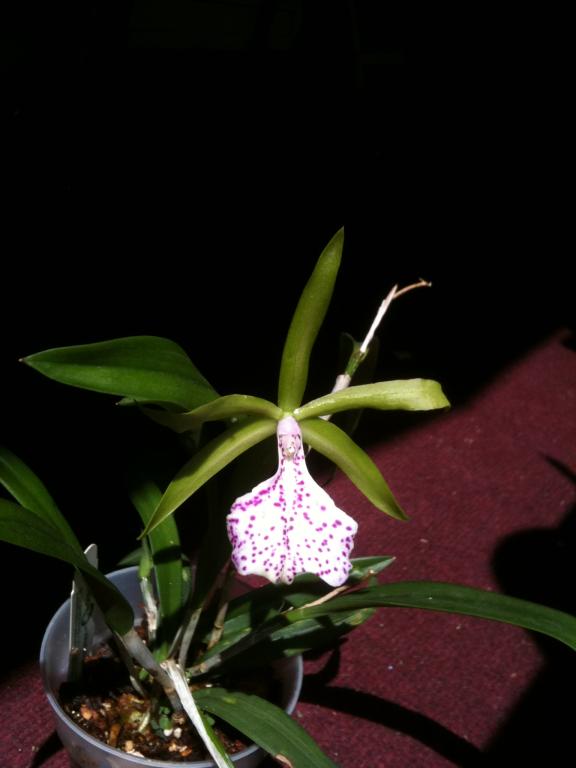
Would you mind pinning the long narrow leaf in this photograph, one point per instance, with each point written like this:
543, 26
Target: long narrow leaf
142, 368
25, 528
435, 596
267, 725
255, 627
306, 323
277, 639
453, 598
225, 407
208, 461
332, 442
407, 395
167, 557
248, 612
30, 492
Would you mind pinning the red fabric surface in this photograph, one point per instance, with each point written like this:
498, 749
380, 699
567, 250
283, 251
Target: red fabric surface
489, 491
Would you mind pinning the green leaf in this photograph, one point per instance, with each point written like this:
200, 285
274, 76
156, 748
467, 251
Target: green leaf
277, 639
258, 611
407, 395
24, 528
266, 724
226, 407
453, 598
306, 323
30, 492
251, 610
365, 567
332, 442
145, 564
132, 558
164, 543
305, 635
142, 368
209, 460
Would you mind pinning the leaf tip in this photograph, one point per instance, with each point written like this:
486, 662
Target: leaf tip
397, 513
337, 241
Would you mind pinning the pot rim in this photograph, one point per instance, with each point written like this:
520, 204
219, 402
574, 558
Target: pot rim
136, 759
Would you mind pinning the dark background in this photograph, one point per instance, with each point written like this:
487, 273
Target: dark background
177, 171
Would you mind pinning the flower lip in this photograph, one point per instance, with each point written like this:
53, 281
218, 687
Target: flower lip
288, 524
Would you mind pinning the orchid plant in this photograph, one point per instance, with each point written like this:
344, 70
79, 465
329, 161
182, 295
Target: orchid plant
287, 529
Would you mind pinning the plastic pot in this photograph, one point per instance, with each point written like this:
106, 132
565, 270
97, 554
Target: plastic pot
88, 752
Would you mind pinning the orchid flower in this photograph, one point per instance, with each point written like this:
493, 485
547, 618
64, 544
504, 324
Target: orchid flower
288, 524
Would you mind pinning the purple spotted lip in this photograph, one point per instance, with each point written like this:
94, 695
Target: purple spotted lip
288, 524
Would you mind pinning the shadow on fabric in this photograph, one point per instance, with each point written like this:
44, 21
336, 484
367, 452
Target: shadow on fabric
540, 565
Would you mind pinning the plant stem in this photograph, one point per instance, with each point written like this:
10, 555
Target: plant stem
133, 644
343, 380
196, 612
188, 634
218, 627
